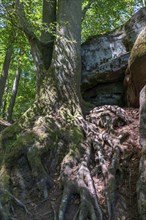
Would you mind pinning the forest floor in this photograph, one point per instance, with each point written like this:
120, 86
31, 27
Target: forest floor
47, 209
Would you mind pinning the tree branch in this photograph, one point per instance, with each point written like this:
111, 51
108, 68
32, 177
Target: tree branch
86, 8
48, 18
24, 23
47, 37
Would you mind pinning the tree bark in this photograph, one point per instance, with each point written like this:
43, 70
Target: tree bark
62, 81
14, 94
4, 104
47, 37
5, 71
42, 48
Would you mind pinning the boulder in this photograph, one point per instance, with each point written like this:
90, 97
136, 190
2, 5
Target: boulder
135, 77
109, 72
105, 57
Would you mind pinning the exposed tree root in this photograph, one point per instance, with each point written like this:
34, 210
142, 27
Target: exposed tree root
88, 154
101, 154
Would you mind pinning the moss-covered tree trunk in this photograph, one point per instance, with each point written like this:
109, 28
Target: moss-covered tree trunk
53, 148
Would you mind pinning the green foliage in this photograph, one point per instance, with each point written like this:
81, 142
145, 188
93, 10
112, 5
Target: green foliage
21, 59
26, 91
104, 16
33, 11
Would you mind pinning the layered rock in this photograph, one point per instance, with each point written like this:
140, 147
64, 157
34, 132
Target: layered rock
109, 93
105, 59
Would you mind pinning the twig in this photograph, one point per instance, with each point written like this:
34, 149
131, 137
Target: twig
76, 214
19, 203
55, 214
86, 8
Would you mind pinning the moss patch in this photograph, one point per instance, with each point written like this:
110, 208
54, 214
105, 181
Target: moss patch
76, 135
18, 147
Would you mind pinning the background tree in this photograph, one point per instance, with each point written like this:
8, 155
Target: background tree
14, 94
5, 69
14, 38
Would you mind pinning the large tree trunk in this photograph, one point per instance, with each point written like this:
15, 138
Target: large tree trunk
53, 145
62, 80
57, 104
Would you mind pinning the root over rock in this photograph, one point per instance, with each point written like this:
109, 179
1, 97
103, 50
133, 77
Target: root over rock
84, 164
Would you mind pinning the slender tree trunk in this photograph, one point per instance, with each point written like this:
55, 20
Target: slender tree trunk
143, 3
4, 104
5, 70
14, 94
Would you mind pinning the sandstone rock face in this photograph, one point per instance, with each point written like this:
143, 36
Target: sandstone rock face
141, 185
111, 93
105, 59
142, 126
135, 77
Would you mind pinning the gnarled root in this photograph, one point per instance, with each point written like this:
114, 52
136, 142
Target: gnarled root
88, 155
96, 173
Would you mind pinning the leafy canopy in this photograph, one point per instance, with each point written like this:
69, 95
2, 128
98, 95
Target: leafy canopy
104, 16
